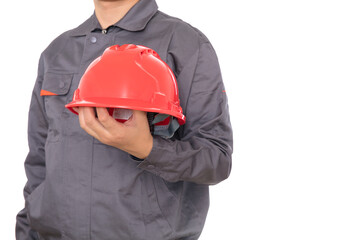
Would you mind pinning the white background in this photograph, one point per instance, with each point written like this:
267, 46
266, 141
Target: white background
291, 70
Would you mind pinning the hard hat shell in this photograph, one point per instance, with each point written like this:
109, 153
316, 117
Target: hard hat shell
131, 77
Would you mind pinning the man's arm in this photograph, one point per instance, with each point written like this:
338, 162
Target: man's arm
35, 160
203, 155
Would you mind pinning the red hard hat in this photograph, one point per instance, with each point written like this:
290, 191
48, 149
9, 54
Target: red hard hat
131, 77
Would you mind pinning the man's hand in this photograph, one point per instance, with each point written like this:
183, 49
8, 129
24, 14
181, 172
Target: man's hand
132, 136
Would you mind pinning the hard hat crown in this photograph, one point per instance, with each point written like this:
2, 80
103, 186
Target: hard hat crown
132, 77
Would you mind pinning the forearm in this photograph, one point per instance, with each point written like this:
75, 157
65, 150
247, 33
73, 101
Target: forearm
203, 149
196, 160
35, 160
23, 230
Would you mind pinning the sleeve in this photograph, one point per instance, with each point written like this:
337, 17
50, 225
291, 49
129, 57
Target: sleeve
35, 160
203, 152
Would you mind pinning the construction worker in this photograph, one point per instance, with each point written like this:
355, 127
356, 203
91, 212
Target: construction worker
91, 177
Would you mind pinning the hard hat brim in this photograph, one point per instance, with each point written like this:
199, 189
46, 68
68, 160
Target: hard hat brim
127, 104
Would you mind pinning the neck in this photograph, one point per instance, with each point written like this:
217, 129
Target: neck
109, 12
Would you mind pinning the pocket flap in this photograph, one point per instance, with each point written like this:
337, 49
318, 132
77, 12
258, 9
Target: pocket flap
56, 84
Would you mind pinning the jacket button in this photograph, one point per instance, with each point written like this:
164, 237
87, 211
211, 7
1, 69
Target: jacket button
93, 39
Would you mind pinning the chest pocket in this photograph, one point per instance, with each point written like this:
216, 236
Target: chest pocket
55, 91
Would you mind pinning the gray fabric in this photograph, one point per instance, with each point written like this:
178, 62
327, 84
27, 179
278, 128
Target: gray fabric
79, 188
165, 131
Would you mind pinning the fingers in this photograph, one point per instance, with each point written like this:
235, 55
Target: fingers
140, 116
106, 120
133, 136
90, 123
140, 120
106, 129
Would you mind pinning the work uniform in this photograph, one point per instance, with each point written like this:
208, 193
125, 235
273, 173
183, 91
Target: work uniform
79, 188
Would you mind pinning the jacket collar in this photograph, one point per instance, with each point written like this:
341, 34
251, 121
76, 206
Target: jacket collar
134, 20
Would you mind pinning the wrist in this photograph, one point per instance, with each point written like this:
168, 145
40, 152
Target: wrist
143, 151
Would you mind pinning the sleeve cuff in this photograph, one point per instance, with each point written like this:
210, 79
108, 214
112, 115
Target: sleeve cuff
150, 163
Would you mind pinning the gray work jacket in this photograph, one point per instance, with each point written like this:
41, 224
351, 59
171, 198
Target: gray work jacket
79, 188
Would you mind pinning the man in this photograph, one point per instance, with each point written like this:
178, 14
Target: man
91, 178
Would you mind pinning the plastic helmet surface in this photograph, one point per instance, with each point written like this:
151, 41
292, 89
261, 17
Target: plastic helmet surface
130, 77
